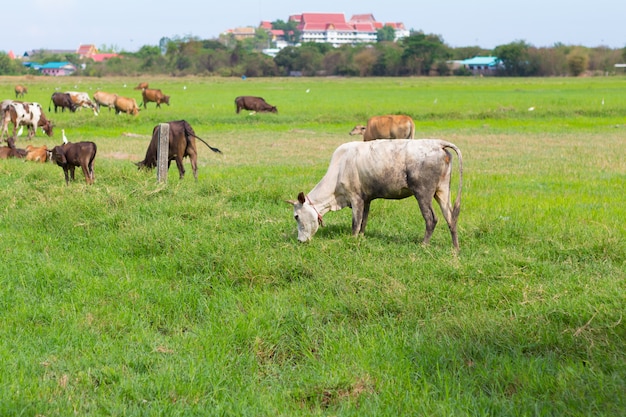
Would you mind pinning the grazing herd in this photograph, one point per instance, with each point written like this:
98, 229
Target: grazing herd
69, 155
387, 164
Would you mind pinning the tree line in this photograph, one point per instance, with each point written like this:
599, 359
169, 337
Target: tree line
419, 54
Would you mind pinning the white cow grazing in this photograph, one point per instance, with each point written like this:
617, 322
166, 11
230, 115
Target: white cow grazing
360, 172
82, 100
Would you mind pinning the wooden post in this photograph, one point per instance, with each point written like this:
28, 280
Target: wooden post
162, 151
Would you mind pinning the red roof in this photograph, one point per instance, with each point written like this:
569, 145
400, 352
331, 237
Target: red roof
102, 57
323, 21
364, 27
361, 18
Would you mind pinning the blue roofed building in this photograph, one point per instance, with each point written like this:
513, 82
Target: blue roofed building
58, 68
486, 65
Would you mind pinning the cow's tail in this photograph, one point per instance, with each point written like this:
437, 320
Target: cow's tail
189, 131
456, 210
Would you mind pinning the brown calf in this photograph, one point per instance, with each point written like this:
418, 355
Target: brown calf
71, 155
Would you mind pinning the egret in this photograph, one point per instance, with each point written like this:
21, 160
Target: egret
19, 132
64, 137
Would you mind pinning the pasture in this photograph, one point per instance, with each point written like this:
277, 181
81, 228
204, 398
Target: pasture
129, 297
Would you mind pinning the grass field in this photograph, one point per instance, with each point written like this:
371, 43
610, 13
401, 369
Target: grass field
133, 298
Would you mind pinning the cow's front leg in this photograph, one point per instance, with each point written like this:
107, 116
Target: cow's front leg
72, 168
357, 215
67, 177
366, 212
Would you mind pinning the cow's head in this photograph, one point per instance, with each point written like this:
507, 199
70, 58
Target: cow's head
166, 100
307, 217
358, 130
58, 155
273, 109
47, 127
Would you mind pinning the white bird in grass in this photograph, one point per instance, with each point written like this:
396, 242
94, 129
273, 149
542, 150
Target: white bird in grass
19, 132
64, 137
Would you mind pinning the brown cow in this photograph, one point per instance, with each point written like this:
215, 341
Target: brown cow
155, 96
104, 99
35, 154
71, 155
62, 100
20, 90
11, 151
256, 104
141, 86
126, 105
386, 127
182, 143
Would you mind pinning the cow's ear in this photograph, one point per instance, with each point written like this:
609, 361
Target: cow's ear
291, 202
301, 197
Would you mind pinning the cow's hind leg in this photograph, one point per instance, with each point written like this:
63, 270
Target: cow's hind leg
443, 198
181, 168
92, 173
86, 172
426, 207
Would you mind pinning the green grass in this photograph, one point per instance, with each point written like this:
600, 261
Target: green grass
130, 297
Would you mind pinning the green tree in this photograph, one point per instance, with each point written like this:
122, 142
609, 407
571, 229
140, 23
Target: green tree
339, 61
290, 30
577, 62
421, 51
515, 58
386, 34
9, 66
389, 61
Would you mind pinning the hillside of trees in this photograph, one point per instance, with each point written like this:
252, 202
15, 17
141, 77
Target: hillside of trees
417, 55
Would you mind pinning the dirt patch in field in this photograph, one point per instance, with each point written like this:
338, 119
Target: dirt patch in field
134, 135
118, 155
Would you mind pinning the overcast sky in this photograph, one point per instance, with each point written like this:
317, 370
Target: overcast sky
127, 25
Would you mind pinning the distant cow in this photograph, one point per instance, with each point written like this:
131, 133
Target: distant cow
104, 99
126, 105
386, 127
154, 95
71, 155
20, 90
25, 114
256, 104
182, 143
81, 99
62, 100
11, 151
37, 154
141, 86
360, 172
